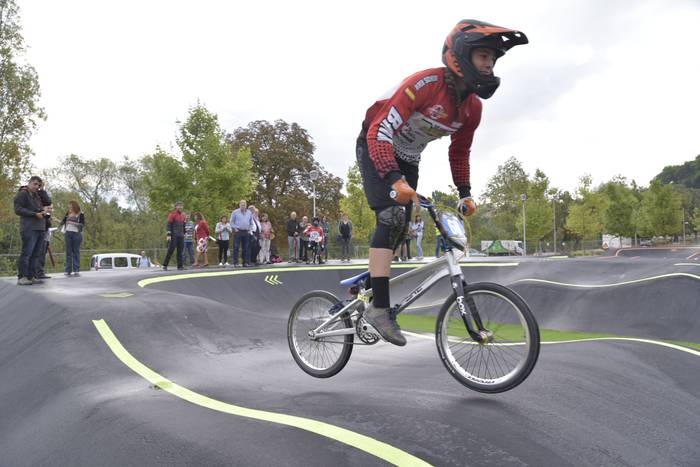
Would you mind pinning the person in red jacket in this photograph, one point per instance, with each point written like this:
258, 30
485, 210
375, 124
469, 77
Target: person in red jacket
426, 106
314, 232
201, 235
175, 236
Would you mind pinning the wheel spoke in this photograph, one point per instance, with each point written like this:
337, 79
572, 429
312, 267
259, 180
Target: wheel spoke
503, 356
319, 357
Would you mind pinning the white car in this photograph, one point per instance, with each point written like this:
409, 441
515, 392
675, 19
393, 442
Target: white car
114, 261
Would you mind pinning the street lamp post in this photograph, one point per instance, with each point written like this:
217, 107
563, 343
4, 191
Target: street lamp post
555, 198
313, 175
523, 197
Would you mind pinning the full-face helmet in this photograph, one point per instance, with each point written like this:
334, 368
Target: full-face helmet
469, 34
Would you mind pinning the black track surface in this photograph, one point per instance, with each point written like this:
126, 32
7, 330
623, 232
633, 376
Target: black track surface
65, 399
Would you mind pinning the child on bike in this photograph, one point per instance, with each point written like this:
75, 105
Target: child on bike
426, 106
314, 232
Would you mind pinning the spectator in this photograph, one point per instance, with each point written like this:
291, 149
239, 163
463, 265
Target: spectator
439, 243
406, 249
241, 221
326, 230
175, 236
144, 261
255, 236
223, 232
32, 225
266, 236
41, 261
417, 228
303, 240
293, 237
314, 234
73, 223
345, 235
188, 259
201, 235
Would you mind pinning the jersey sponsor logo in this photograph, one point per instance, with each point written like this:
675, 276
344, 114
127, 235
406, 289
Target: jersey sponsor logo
392, 122
423, 81
456, 124
436, 112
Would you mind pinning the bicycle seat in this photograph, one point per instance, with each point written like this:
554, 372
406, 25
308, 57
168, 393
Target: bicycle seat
355, 279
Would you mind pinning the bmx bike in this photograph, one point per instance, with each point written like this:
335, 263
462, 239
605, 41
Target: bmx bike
486, 335
315, 248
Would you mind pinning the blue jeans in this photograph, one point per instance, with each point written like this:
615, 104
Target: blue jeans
188, 253
419, 247
244, 237
440, 245
73, 241
32, 243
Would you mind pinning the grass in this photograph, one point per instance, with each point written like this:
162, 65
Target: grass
509, 332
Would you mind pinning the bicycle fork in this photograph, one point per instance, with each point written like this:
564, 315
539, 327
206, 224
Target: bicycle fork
467, 306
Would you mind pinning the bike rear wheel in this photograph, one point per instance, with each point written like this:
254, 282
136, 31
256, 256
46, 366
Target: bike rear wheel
513, 344
319, 357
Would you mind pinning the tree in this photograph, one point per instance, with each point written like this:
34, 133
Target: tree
586, 215
696, 220
502, 196
662, 209
356, 207
619, 216
19, 102
687, 174
93, 181
282, 155
538, 209
208, 178
217, 179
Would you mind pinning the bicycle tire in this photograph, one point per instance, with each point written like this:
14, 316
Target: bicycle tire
516, 339
319, 358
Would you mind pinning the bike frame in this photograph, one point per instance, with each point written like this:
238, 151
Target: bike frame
447, 265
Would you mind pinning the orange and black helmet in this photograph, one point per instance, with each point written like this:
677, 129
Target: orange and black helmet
469, 34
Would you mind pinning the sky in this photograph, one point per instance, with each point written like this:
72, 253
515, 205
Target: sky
603, 88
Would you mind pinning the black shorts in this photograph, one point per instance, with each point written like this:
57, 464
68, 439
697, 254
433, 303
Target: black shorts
376, 188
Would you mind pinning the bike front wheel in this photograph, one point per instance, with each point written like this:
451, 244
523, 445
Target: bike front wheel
320, 357
507, 355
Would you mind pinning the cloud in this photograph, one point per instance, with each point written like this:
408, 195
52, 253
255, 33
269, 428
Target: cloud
603, 87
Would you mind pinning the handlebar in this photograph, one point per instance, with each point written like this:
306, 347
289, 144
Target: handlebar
427, 204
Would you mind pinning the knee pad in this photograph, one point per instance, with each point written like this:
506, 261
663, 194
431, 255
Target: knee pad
391, 227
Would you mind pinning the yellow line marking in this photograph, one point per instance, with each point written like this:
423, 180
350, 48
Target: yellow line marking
364, 443
588, 339
116, 295
177, 277
617, 284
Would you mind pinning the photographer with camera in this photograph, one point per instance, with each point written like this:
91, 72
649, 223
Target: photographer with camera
32, 228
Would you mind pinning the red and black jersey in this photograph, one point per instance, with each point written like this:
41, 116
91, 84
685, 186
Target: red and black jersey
176, 224
419, 111
313, 233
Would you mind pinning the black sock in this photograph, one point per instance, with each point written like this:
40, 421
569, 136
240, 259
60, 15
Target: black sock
380, 292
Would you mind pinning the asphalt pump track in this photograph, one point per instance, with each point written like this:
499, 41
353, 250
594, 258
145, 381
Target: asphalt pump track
154, 368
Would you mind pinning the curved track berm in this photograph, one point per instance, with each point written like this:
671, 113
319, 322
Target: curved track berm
66, 399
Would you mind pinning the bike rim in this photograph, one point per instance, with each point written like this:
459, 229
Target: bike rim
316, 354
498, 361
